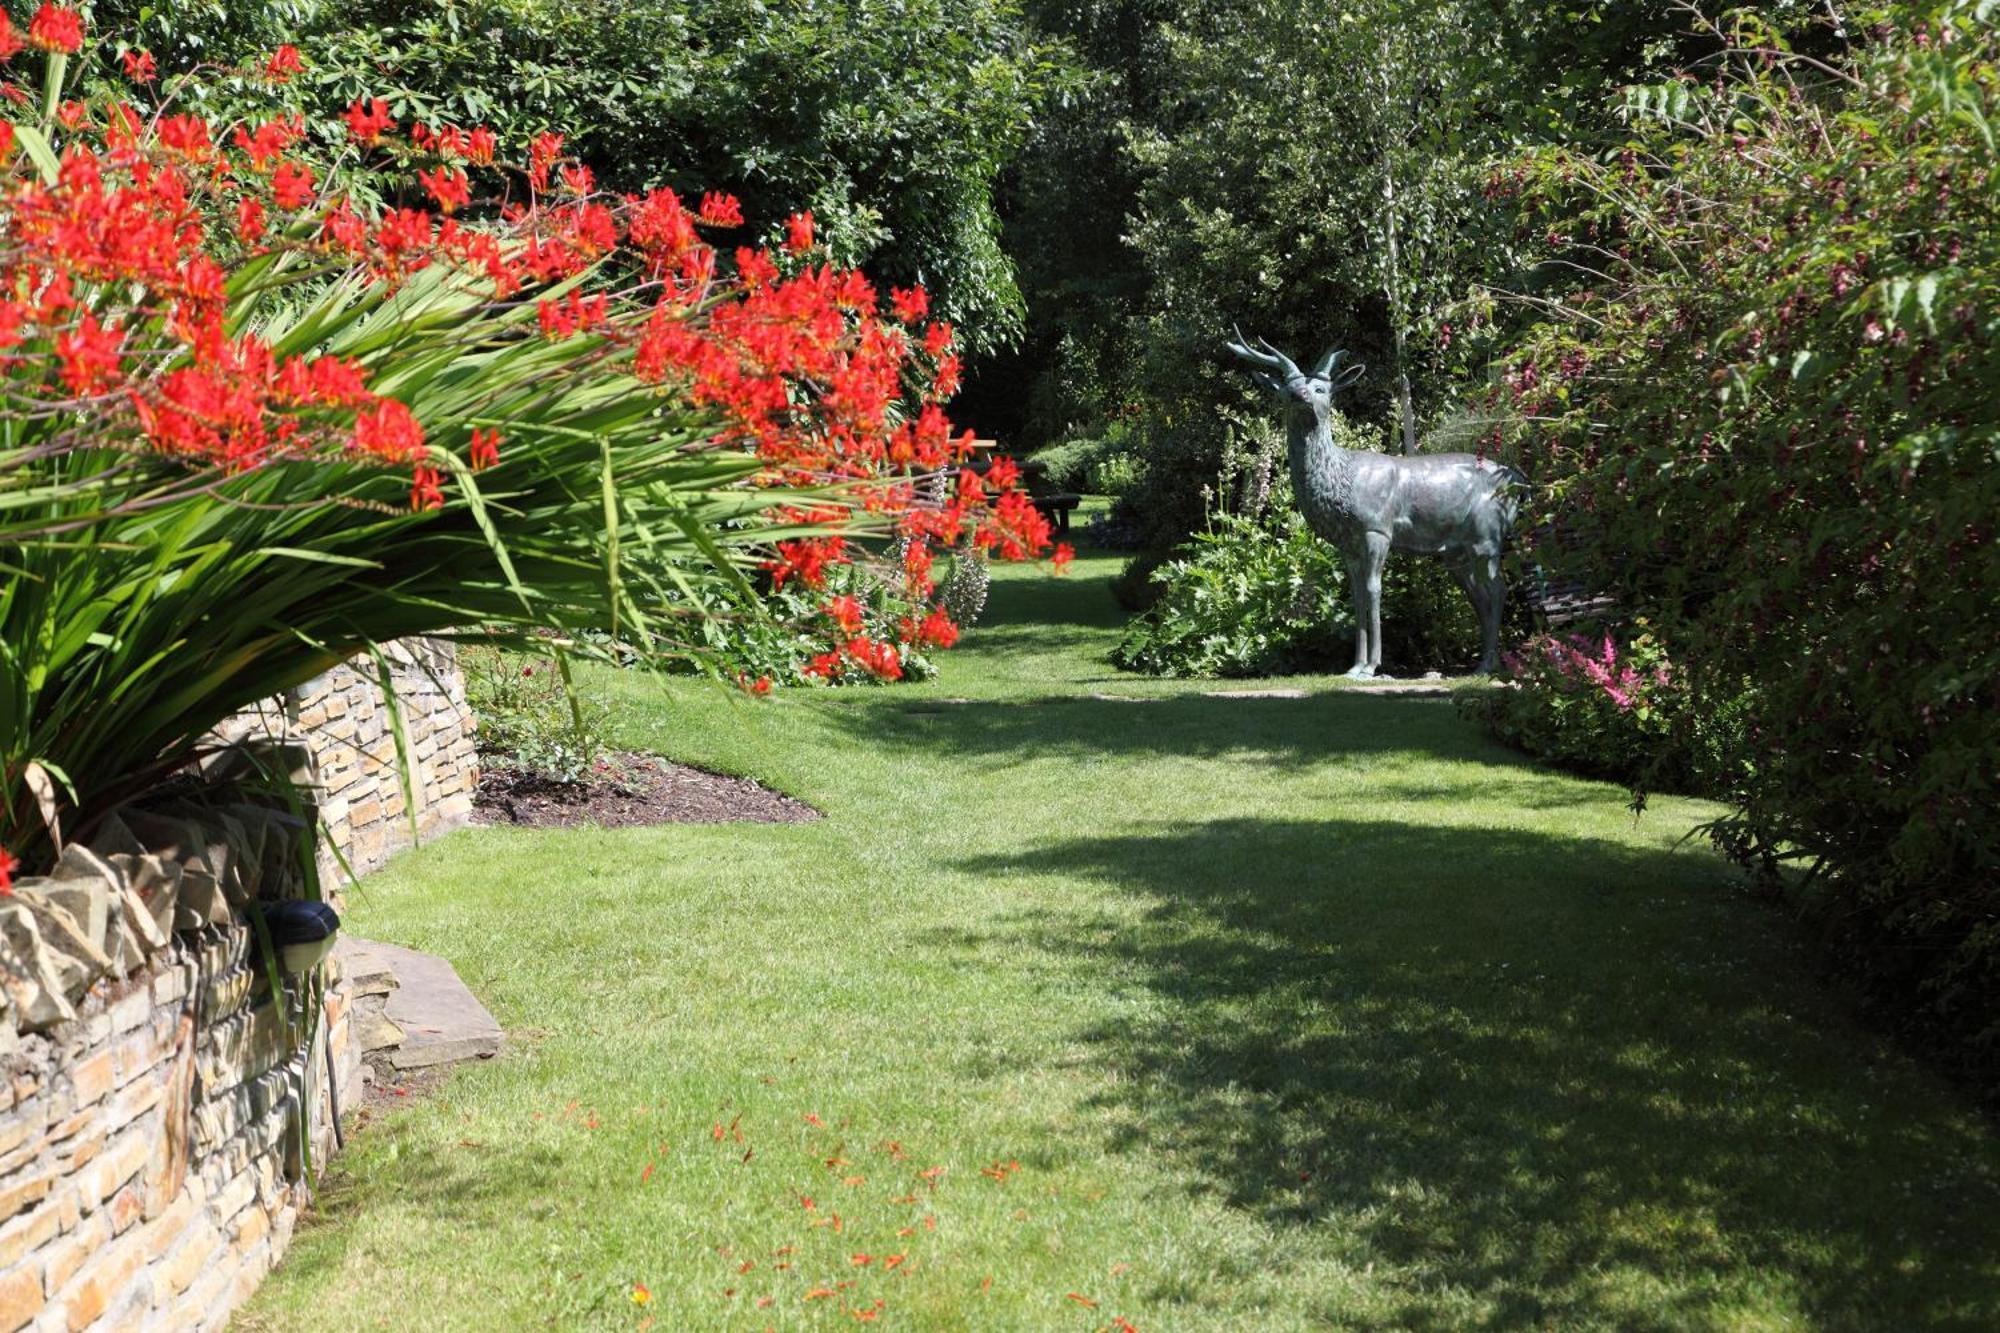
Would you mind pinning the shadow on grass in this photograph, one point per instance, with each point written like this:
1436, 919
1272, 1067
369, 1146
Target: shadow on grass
1330, 729
1550, 1080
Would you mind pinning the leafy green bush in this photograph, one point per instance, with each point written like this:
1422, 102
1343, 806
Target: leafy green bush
1771, 427
1105, 464
531, 715
1244, 598
775, 635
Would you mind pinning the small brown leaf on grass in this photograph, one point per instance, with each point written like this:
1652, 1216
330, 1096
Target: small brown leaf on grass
765, 1302
906, 1198
820, 1293
745, 1266
869, 1315
933, 1174
1116, 1269
890, 1261
861, 1260
1082, 1300
1120, 1324
853, 1181
987, 1285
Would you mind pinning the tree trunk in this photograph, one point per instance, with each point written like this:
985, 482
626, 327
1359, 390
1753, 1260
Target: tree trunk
1393, 288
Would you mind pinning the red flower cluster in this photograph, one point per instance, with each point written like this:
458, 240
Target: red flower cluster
117, 267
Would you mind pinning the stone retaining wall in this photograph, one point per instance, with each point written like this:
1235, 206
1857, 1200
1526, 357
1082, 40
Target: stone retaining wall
350, 733
150, 1164
162, 1112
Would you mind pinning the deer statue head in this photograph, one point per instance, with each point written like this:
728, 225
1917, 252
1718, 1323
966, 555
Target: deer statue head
1305, 393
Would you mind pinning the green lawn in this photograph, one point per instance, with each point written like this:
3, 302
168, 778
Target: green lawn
1319, 1012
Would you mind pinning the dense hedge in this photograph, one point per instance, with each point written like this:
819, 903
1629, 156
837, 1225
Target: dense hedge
1770, 422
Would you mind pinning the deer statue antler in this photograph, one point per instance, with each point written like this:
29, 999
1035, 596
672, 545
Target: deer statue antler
1270, 358
1329, 363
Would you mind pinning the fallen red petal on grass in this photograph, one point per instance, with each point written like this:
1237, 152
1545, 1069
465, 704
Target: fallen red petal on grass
1123, 1325
869, 1315
893, 1260
852, 1181
932, 1174
746, 1266
815, 1121
861, 1260
907, 1198
820, 1293
987, 1285
1084, 1301
647, 1174
765, 1302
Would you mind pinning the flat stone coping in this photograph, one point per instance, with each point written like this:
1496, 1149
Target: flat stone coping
442, 1021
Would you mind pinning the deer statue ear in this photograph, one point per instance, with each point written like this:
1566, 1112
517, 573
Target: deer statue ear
1348, 376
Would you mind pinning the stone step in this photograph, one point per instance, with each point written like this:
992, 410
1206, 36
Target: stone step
440, 1020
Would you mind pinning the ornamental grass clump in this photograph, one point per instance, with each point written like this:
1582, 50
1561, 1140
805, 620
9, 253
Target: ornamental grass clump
252, 428
1768, 421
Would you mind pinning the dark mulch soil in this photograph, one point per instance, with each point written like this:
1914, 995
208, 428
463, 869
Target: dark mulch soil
636, 790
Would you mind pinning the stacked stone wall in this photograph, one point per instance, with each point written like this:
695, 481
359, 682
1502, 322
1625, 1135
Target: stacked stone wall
162, 1110
349, 729
151, 1170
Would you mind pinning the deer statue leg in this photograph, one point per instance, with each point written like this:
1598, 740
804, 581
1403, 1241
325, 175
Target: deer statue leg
1378, 556
1357, 592
1492, 600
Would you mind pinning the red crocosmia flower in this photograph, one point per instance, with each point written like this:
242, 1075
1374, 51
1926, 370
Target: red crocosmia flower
368, 123
389, 431
910, 304
1064, 554
249, 219
938, 339
140, 66
55, 28
484, 451
542, 154
188, 136
292, 186
755, 268
578, 179
448, 186
426, 489
479, 146
10, 40
721, 210
945, 382
845, 612
268, 142
72, 113
799, 232
284, 63
8, 865
89, 355
878, 659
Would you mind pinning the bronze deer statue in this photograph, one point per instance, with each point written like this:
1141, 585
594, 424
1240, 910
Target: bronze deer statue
1458, 506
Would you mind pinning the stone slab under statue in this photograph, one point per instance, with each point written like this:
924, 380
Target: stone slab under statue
1460, 507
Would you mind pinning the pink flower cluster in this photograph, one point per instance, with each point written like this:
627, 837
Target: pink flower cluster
1578, 664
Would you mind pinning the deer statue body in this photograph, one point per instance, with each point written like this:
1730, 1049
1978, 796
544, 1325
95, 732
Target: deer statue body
1458, 506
